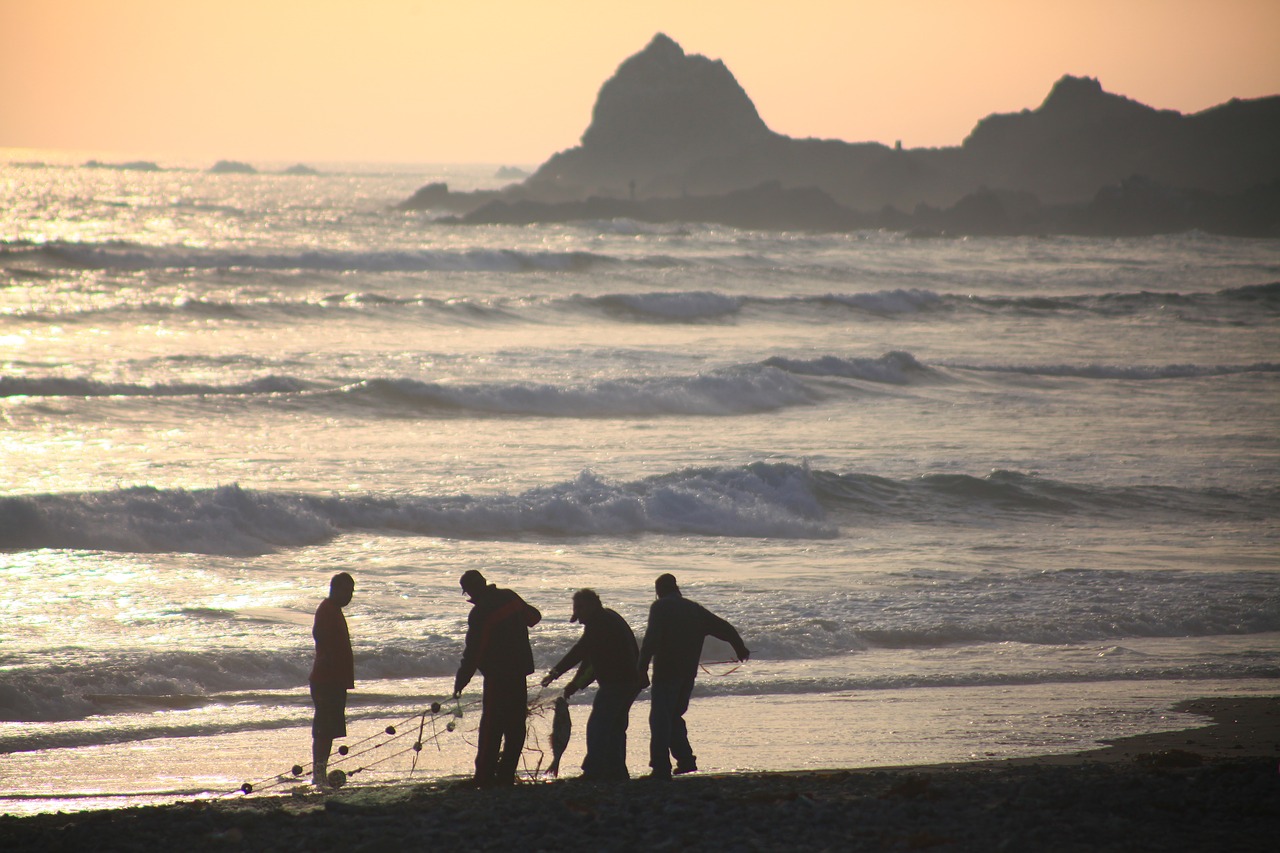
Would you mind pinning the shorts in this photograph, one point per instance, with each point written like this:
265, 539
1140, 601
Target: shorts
331, 712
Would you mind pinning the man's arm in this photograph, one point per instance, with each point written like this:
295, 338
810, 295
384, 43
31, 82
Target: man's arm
652, 636
572, 658
722, 630
470, 649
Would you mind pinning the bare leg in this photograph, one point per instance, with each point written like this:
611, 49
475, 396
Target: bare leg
320, 748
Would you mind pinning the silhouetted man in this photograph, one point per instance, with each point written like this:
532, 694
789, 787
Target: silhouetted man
673, 641
608, 655
332, 675
498, 645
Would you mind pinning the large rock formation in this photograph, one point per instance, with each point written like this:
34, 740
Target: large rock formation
662, 112
668, 125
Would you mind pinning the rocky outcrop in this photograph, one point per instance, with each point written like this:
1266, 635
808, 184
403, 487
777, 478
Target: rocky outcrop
232, 167
1082, 138
669, 125
660, 113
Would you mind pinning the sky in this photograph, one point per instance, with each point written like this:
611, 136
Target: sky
494, 81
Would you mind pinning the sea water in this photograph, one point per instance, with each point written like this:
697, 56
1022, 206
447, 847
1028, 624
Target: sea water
962, 497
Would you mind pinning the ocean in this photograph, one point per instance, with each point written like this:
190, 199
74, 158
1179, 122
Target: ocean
963, 498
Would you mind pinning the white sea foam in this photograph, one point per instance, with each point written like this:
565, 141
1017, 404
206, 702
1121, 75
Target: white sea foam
894, 368
758, 501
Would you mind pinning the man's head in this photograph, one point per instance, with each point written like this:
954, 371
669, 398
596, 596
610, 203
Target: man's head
665, 585
341, 588
585, 605
473, 583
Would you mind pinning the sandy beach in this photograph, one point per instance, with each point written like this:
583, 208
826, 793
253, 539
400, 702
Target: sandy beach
1210, 788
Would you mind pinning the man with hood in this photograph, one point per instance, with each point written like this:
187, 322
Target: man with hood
497, 645
673, 641
608, 655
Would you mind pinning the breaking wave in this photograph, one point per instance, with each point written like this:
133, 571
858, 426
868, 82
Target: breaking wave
779, 500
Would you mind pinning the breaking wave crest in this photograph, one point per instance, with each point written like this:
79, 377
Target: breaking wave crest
778, 500
757, 501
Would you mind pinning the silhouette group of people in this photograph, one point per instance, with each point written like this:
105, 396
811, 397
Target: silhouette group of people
497, 646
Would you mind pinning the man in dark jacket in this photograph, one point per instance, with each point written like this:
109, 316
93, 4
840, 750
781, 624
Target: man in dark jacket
673, 641
332, 675
498, 645
608, 655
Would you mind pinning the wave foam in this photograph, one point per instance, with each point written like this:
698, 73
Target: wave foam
894, 368
755, 501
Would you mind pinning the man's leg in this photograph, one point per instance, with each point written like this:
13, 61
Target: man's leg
617, 713
515, 711
329, 722
607, 733
686, 761
593, 763
320, 748
490, 735
662, 703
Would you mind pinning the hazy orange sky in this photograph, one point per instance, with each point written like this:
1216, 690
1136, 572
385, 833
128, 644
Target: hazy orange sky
514, 82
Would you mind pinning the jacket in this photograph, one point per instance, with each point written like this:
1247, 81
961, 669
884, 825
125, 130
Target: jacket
673, 638
607, 651
498, 635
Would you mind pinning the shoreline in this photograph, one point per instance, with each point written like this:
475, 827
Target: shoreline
1210, 787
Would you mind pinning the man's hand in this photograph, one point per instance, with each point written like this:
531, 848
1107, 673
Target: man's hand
550, 677
744, 654
459, 684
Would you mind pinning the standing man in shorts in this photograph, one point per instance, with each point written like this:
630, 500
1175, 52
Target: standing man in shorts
332, 675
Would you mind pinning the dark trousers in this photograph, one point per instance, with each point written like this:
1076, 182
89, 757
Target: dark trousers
505, 704
607, 732
668, 736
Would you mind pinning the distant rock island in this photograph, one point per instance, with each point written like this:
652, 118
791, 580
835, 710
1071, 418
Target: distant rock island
674, 137
131, 166
232, 167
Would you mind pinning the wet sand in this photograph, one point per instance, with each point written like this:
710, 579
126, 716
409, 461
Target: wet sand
1212, 788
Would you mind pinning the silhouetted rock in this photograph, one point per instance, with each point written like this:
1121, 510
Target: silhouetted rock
131, 166
300, 169
510, 173
232, 167
1139, 206
436, 196
674, 134
768, 206
660, 113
